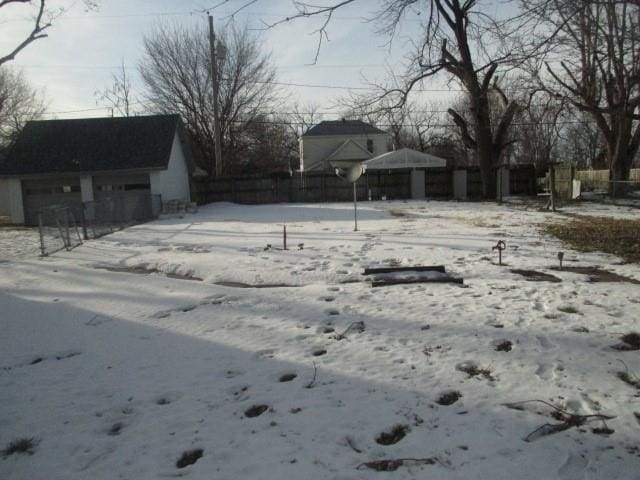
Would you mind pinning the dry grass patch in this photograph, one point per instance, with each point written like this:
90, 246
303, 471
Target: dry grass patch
619, 237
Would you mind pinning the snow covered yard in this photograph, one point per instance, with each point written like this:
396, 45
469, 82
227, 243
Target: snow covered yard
115, 369
18, 242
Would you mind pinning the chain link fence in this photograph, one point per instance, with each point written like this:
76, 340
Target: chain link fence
58, 229
64, 227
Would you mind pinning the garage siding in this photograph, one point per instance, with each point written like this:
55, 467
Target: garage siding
130, 194
43, 193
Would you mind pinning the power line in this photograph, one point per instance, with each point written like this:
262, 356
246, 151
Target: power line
108, 67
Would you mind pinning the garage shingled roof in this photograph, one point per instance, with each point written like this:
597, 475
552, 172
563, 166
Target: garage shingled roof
92, 145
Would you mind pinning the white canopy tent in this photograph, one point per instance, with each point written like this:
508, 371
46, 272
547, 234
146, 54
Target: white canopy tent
404, 158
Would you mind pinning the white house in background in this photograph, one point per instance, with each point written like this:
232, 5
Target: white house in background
134, 161
340, 144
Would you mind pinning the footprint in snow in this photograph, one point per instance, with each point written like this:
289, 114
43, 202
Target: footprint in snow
233, 373
544, 342
547, 371
266, 353
574, 467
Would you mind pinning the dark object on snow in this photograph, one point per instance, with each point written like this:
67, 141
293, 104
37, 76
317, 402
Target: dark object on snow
504, 346
287, 377
418, 268
473, 370
189, 458
535, 276
392, 437
386, 276
449, 398
22, 446
385, 282
630, 342
568, 420
597, 274
391, 465
256, 410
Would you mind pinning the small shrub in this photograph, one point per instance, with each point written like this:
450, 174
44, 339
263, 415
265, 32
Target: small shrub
474, 370
21, 446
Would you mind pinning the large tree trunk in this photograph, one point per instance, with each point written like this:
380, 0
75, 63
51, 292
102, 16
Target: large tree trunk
619, 170
621, 150
485, 147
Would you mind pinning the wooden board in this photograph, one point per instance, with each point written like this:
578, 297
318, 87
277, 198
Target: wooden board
404, 281
418, 268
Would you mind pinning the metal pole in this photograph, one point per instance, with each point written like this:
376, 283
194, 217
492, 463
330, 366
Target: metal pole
42, 249
284, 237
355, 207
214, 83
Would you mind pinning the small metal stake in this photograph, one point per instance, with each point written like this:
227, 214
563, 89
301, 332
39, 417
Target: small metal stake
355, 207
500, 246
560, 257
284, 237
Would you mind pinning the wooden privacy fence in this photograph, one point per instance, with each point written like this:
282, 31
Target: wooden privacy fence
327, 187
599, 179
309, 187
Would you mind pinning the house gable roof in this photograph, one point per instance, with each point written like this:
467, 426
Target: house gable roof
343, 127
349, 150
92, 145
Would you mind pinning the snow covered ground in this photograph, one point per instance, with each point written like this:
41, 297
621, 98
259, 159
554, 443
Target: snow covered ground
18, 242
116, 369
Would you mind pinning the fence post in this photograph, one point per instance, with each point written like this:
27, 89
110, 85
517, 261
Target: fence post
42, 249
83, 219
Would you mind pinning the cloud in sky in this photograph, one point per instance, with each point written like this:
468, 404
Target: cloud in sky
84, 48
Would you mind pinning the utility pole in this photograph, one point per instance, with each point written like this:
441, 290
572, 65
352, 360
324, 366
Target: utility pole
214, 83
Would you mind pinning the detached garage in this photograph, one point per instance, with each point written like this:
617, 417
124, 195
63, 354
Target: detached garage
135, 162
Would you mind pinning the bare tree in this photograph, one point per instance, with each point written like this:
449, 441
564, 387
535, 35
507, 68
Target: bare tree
42, 21
424, 121
596, 67
269, 146
19, 103
118, 96
302, 117
581, 142
410, 124
539, 126
455, 39
175, 70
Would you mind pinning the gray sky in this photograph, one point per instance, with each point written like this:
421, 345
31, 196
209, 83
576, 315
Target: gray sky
84, 48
